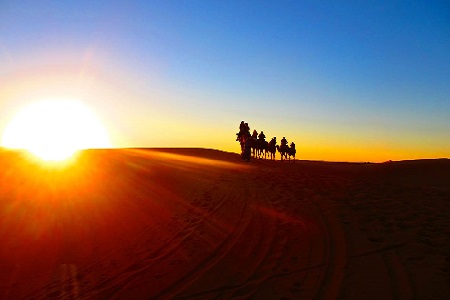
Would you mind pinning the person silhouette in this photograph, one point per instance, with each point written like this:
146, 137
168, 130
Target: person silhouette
262, 136
255, 134
246, 129
243, 129
242, 126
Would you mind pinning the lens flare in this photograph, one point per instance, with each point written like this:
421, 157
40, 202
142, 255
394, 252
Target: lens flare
54, 130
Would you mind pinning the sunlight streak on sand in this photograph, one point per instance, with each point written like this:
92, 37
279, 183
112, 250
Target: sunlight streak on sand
179, 158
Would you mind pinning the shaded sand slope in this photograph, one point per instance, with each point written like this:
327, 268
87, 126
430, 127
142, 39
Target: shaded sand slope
201, 224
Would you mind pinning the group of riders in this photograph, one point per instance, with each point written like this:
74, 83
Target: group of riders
257, 145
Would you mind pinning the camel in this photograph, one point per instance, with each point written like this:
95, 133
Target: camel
255, 147
272, 148
283, 151
245, 142
286, 151
262, 146
292, 151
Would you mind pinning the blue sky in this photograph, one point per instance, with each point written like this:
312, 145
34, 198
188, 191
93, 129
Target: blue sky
346, 77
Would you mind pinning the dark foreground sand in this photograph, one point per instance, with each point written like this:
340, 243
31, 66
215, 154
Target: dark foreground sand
201, 224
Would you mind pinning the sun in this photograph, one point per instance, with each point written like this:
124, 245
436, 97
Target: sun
55, 130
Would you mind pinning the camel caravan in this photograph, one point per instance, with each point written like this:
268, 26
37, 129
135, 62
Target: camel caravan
256, 145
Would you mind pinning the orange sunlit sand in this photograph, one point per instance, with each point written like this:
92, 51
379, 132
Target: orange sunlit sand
202, 224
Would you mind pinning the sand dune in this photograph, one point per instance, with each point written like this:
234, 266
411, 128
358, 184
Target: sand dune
202, 224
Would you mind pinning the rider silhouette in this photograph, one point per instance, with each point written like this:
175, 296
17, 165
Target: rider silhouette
247, 129
241, 126
255, 134
244, 130
262, 136
284, 143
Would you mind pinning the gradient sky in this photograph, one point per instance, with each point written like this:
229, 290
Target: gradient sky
345, 80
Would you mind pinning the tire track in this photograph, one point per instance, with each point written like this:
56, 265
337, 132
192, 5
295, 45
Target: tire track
66, 286
268, 249
337, 256
307, 246
223, 248
120, 280
115, 285
400, 281
259, 244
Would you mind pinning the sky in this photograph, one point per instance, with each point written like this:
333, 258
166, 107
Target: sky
344, 80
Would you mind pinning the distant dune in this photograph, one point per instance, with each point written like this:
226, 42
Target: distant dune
203, 224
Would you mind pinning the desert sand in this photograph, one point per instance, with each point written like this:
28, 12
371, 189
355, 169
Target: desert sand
203, 224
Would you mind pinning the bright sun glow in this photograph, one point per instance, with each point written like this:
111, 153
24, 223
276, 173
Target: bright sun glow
55, 129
